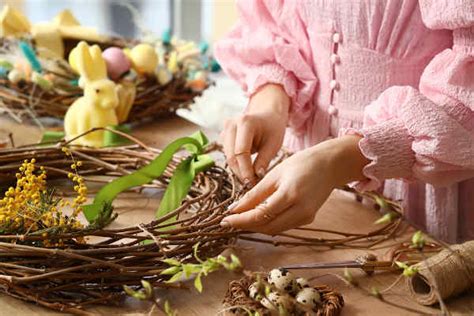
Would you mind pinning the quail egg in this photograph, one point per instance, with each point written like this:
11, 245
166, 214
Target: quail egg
309, 297
268, 304
301, 283
255, 290
277, 301
282, 279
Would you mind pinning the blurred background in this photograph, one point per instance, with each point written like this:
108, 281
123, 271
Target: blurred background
197, 20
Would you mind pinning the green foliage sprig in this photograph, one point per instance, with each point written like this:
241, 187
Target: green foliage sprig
178, 270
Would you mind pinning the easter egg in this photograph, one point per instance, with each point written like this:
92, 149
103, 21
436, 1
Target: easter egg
301, 283
268, 304
73, 57
255, 290
15, 76
282, 279
163, 75
144, 58
279, 300
116, 61
173, 62
309, 297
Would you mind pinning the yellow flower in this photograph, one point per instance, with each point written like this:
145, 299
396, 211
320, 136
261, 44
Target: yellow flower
24, 209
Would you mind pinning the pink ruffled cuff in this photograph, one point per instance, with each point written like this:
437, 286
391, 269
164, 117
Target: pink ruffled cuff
259, 76
388, 146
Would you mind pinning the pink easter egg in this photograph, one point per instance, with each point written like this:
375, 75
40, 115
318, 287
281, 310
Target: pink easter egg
117, 62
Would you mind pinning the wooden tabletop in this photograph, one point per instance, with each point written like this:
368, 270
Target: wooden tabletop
341, 212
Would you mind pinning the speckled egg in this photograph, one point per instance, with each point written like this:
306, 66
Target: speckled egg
282, 279
309, 297
144, 58
268, 305
279, 300
117, 62
301, 283
254, 290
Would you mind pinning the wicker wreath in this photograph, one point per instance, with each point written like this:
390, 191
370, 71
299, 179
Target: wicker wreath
77, 275
26, 99
238, 301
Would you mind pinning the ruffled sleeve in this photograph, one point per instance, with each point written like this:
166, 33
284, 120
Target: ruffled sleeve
269, 44
427, 133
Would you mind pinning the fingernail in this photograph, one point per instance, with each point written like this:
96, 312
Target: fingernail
225, 224
261, 172
232, 206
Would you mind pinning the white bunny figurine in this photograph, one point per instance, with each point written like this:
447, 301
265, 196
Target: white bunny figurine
97, 107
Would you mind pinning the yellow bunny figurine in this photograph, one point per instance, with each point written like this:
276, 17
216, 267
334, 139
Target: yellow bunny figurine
97, 107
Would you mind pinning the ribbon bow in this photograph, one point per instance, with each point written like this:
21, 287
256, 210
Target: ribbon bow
178, 186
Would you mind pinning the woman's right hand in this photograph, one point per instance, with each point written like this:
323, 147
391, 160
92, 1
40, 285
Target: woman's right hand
259, 130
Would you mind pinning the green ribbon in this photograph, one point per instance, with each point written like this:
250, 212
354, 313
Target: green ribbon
52, 136
178, 186
111, 139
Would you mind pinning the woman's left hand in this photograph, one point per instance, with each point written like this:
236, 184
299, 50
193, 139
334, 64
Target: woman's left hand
290, 195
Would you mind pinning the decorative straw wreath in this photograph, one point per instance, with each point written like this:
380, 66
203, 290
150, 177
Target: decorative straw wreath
36, 81
52, 259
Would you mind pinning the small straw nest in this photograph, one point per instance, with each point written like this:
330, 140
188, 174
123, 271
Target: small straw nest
238, 301
27, 100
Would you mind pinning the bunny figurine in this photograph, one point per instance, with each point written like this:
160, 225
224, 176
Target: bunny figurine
97, 107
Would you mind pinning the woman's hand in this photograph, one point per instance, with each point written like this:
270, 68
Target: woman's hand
290, 195
260, 130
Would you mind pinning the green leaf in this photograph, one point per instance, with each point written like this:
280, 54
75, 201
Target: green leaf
236, 263
171, 271
381, 202
148, 288
168, 310
175, 277
171, 262
348, 275
410, 271
387, 218
135, 294
418, 240
375, 292
198, 283
195, 251
190, 268
401, 265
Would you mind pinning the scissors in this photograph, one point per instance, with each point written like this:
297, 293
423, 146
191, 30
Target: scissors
367, 263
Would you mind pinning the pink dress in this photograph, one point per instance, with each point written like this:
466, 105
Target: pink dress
398, 72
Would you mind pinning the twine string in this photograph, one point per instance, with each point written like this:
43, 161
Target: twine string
452, 271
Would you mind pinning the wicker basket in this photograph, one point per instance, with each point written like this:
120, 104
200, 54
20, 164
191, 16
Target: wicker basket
27, 100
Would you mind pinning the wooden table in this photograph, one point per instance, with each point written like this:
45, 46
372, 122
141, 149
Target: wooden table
340, 212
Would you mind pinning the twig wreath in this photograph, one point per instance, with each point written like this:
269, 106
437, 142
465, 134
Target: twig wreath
71, 269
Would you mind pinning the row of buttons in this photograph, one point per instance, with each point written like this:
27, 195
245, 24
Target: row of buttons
333, 84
